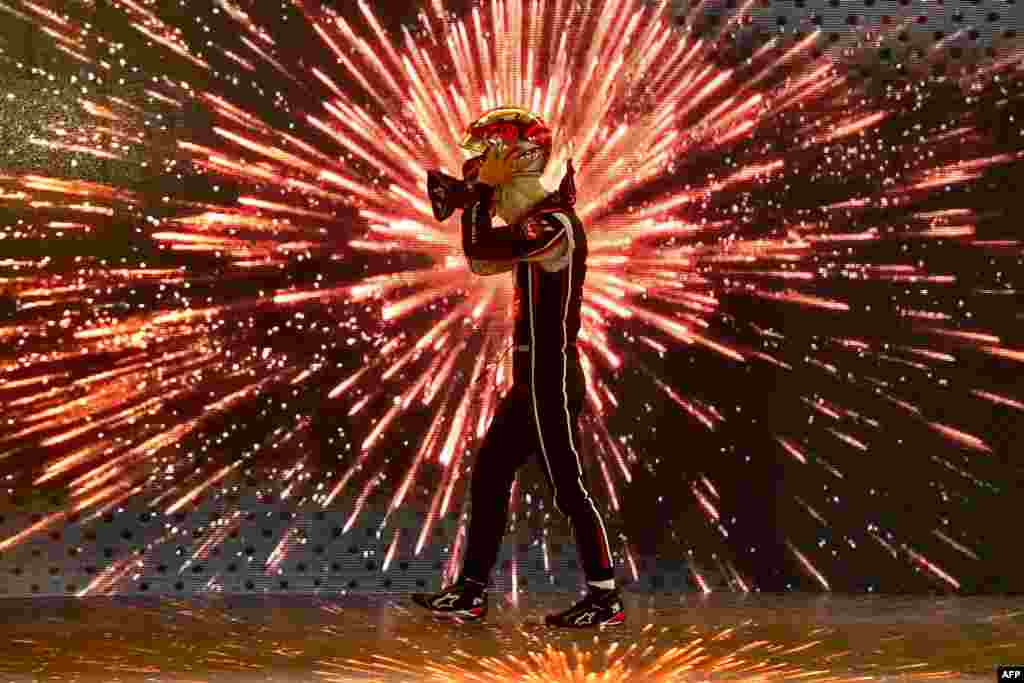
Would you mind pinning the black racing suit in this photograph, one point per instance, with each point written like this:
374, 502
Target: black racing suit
548, 250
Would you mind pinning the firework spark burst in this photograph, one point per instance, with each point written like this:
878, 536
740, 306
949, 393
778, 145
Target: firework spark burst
308, 275
715, 655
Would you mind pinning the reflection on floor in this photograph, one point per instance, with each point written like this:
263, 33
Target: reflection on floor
227, 638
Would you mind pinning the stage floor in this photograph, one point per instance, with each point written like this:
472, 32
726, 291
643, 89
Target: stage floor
286, 638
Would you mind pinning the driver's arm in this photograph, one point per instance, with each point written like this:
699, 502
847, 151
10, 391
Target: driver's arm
539, 239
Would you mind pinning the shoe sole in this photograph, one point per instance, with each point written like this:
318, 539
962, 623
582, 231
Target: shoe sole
455, 618
618, 620
462, 616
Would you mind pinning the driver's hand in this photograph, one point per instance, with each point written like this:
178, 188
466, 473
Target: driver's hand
498, 166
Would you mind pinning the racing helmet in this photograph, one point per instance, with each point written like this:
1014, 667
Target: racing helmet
506, 127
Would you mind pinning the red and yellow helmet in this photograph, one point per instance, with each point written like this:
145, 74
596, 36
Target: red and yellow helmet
511, 127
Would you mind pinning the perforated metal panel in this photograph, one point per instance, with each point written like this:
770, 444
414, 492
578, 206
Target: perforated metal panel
257, 547
876, 37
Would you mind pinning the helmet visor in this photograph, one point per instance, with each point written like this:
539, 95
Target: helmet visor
505, 124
